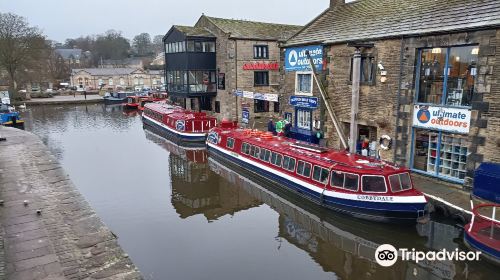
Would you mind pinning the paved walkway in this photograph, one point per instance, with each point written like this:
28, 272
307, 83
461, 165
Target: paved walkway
448, 198
65, 99
67, 240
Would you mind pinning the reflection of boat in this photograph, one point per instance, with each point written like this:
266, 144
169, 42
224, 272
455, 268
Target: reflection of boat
195, 190
10, 117
175, 122
359, 186
117, 97
483, 232
339, 244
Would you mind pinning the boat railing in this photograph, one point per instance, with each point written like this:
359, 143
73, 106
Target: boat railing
484, 225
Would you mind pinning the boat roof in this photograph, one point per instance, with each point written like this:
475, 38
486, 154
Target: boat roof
162, 107
189, 115
325, 157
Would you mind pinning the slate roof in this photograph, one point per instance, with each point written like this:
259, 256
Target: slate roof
194, 31
106, 71
244, 29
66, 53
375, 19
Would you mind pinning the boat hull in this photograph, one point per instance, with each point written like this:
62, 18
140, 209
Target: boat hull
491, 254
170, 133
109, 101
403, 213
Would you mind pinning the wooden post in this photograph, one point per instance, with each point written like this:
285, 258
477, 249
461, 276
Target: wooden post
356, 72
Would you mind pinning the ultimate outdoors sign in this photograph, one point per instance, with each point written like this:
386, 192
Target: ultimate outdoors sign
442, 118
296, 58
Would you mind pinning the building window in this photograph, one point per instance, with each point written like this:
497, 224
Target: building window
141, 80
303, 83
303, 119
110, 81
367, 71
202, 81
260, 106
260, 51
261, 78
440, 154
122, 81
80, 81
276, 107
446, 76
217, 106
100, 82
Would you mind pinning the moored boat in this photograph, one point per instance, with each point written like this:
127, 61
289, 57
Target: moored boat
483, 231
178, 123
359, 186
10, 117
117, 97
135, 102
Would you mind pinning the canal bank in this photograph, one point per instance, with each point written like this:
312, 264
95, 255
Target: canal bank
65, 240
63, 100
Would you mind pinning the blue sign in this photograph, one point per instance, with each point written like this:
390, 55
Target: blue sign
180, 125
296, 58
245, 116
304, 101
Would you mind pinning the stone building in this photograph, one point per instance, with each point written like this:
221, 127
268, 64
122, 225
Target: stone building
428, 80
229, 67
116, 78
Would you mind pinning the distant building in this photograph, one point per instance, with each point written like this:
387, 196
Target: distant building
75, 58
226, 66
159, 60
116, 78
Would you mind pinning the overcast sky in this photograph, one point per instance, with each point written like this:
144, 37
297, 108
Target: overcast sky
61, 19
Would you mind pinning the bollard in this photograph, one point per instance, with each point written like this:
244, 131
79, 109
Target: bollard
1, 202
25, 203
39, 212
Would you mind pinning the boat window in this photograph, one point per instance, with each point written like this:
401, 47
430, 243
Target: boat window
288, 163
373, 184
320, 174
276, 159
252, 150
268, 155
262, 155
304, 169
351, 182
400, 182
230, 143
245, 148
345, 181
256, 153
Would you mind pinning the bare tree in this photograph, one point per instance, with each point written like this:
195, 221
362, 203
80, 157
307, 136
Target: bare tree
21, 46
142, 44
158, 44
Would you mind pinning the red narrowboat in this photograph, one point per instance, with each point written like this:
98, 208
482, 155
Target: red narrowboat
173, 121
360, 186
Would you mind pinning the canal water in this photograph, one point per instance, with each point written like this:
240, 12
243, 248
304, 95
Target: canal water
179, 214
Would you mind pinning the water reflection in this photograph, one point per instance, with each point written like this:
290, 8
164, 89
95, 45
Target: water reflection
179, 215
346, 247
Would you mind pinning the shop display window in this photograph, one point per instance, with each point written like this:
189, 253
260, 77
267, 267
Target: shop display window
440, 154
446, 76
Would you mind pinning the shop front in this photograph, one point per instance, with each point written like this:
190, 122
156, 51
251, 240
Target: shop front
445, 89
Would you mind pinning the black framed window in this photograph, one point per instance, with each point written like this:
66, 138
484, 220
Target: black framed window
261, 78
260, 106
260, 51
217, 106
368, 70
276, 107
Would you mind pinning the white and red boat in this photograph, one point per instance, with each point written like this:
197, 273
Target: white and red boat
173, 121
360, 186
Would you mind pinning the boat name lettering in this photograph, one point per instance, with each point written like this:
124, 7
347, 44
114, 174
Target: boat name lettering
375, 198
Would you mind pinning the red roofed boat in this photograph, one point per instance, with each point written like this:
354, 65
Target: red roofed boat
173, 121
360, 186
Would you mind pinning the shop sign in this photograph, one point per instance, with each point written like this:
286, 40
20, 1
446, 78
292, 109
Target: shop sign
296, 58
245, 115
261, 66
304, 101
442, 118
4, 97
257, 95
221, 82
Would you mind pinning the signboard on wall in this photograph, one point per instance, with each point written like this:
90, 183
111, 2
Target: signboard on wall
442, 118
262, 66
221, 81
257, 95
296, 58
245, 115
304, 101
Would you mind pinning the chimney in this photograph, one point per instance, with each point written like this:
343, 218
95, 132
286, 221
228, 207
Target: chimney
334, 3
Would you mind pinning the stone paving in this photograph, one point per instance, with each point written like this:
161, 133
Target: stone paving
66, 240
